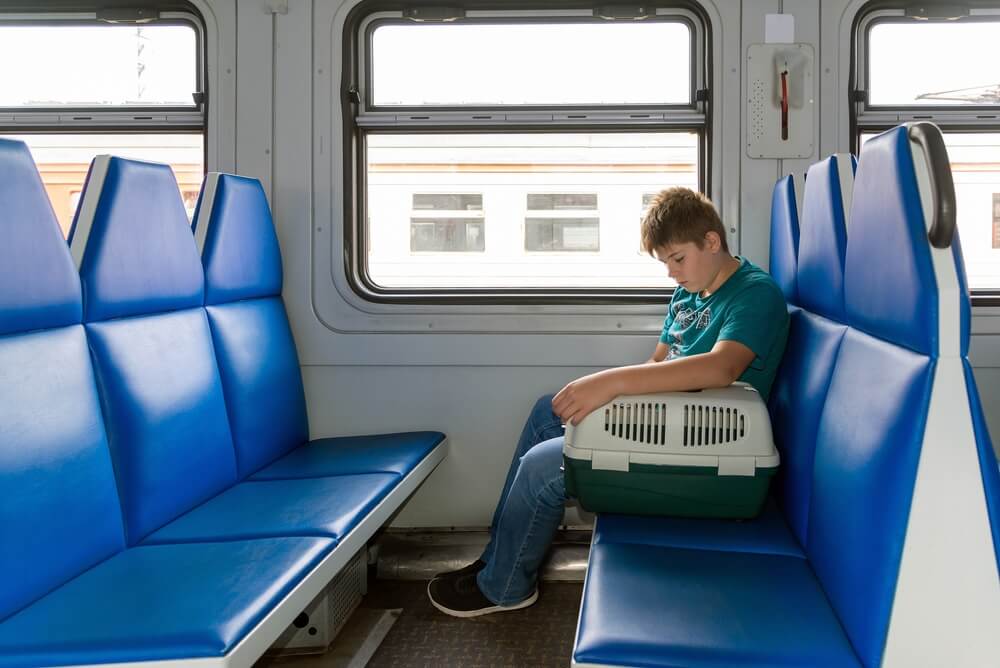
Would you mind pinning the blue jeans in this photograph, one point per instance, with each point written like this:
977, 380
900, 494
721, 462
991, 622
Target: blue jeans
529, 511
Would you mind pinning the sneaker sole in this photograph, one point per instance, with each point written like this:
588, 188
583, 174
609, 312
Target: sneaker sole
483, 611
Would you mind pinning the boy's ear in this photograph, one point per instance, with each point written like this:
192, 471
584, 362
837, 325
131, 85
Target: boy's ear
713, 242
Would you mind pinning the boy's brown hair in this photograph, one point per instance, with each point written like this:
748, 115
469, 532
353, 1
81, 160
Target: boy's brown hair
678, 215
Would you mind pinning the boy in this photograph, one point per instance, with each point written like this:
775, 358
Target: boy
727, 321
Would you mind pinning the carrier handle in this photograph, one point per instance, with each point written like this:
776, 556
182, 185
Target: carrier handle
929, 137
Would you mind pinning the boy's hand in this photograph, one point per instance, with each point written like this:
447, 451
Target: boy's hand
581, 397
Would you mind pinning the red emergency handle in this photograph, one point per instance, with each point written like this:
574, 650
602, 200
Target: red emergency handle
784, 105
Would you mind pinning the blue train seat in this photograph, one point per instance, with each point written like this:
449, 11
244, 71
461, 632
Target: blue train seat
769, 533
257, 357
786, 202
70, 591
890, 483
816, 329
762, 559
138, 537
170, 432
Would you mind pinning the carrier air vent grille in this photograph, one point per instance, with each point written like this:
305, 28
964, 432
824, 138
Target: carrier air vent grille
712, 425
641, 421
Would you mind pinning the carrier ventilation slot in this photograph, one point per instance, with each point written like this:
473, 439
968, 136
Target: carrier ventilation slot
641, 422
712, 425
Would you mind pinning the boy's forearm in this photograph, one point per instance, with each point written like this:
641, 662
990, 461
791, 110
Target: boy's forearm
696, 372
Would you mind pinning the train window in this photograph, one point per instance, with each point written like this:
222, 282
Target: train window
63, 160
122, 82
560, 222
447, 222
98, 65
551, 64
899, 79
508, 173
547, 125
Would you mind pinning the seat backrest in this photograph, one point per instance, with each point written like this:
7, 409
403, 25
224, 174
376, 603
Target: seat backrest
814, 335
59, 511
151, 343
825, 207
785, 205
260, 371
887, 544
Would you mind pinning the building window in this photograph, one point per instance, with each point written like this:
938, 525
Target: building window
542, 134
78, 75
953, 86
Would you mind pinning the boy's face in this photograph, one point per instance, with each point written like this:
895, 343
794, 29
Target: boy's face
693, 268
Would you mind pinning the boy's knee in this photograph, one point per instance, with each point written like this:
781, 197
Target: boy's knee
544, 402
543, 462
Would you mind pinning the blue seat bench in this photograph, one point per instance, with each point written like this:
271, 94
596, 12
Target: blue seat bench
883, 543
160, 500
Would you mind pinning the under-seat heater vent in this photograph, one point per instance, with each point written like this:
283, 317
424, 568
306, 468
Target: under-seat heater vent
641, 422
712, 425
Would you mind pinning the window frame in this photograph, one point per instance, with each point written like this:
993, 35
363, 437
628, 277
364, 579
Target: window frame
361, 118
867, 118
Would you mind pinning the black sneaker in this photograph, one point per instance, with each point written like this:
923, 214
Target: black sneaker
471, 569
460, 597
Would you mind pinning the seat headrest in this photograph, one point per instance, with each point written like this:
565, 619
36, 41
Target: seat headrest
823, 236
785, 235
898, 287
235, 234
39, 287
132, 242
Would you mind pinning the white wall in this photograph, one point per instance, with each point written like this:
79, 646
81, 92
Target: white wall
474, 374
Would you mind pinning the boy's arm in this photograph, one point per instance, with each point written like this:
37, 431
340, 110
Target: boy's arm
717, 368
660, 353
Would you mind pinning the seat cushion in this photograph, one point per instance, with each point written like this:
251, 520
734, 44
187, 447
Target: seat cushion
132, 242
645, 605
328, 507
59, 511
259, 368
160, 602
39, 286
165, 415
766, 534
867, 449
390, 453
796, 405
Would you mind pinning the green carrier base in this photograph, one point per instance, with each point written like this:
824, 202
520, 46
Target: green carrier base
676, 491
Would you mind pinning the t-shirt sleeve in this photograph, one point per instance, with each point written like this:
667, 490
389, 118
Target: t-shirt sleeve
669, 320
757, 318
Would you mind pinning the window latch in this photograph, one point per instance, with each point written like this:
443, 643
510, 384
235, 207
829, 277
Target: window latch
940, 11
623, 12
128, 15
434, 14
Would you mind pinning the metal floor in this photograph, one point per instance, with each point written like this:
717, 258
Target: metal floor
541, 635
421, 636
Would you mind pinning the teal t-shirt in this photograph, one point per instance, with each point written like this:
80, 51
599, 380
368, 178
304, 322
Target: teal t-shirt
748, 308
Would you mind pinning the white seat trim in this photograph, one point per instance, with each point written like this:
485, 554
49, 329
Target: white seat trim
88, 208
204, 218
947, 605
